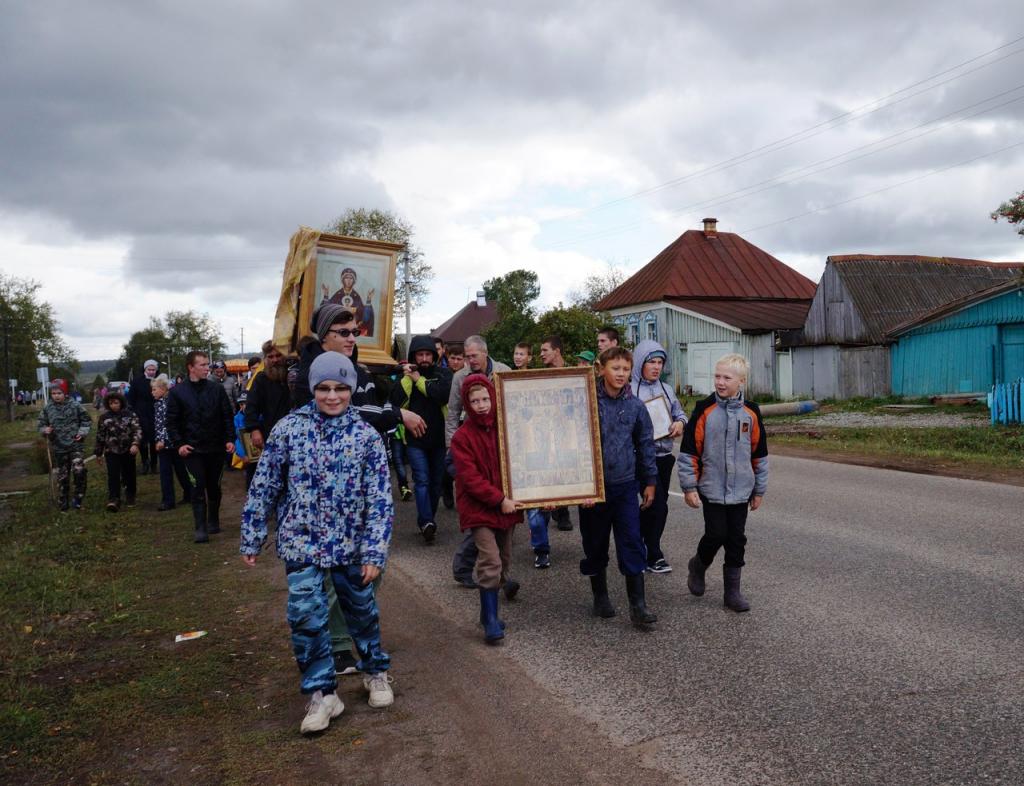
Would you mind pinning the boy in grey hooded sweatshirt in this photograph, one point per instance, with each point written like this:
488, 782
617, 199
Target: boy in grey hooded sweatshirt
651, 365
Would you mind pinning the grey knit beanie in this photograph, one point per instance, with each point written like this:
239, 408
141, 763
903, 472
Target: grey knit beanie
332, 366
329, 314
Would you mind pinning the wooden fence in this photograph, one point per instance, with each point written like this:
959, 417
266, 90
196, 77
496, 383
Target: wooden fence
1005, 402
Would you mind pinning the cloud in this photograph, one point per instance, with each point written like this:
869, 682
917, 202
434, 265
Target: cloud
166, 151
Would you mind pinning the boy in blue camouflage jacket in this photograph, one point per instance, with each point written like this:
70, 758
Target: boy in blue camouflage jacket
324, 473
66, 424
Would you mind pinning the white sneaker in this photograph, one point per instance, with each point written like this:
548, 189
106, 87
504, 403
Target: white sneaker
379, 686
320, 710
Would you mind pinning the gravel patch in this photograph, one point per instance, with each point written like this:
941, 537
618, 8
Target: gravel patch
867, 420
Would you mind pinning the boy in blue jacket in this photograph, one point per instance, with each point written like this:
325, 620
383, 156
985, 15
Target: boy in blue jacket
723, 464
324, 473
627, 451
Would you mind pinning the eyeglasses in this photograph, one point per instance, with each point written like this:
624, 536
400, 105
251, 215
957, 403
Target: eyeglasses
345, 332
328, 389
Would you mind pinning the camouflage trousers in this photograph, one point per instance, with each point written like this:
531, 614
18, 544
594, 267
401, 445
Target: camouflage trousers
70, 464
307, 617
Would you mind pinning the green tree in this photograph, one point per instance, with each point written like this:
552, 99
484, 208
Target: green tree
513, 294
595, 287
392, 228
29, 334
575, 325
1013, 211
168, 341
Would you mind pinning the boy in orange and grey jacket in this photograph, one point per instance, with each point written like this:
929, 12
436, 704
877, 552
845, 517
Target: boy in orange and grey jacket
723, 464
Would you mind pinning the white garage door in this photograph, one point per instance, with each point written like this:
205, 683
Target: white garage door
702, 359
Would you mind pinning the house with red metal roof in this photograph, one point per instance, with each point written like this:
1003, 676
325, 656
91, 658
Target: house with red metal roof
710, 293
470, 320
867, 305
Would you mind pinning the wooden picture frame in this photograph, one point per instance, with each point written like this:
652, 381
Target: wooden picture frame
549, 436
359, 274
661, 416
252, 453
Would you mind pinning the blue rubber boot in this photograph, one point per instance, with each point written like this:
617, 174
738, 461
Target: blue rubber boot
493, 630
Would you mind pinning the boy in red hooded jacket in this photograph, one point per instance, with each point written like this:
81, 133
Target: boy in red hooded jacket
482, 506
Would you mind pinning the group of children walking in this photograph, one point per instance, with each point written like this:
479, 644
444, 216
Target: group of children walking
324, 474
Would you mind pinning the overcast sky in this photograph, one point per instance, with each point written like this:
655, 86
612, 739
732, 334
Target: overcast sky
159, 155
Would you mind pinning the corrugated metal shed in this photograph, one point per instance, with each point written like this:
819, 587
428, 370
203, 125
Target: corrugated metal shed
963, 347
471, 319
868, 295
712, 265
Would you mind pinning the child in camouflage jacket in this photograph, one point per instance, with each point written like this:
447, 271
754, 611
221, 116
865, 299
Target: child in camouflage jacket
324, 474
118, 436
66, 424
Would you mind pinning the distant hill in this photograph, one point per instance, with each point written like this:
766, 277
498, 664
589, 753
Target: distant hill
90, 368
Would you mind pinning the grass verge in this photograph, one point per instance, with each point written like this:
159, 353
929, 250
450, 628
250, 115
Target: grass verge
980, 447
93, 688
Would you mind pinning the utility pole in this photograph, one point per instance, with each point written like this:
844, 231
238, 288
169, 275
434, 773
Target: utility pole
408, 303
241, 343
7, 365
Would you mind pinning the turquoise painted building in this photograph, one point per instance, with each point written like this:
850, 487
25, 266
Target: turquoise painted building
962, 347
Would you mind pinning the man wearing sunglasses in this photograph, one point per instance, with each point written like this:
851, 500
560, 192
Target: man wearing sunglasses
337, 330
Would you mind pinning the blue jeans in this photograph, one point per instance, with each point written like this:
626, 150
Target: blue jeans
427, 470
307, 617
398, 459
618, 514
538, 520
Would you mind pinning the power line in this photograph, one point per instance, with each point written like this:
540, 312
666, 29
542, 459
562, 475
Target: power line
810, 132
816, 167
880, 190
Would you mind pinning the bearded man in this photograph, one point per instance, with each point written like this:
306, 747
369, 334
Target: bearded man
268, 400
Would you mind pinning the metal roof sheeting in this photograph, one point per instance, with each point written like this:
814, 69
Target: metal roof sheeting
750, 316
891, 290
470, 320
721, 266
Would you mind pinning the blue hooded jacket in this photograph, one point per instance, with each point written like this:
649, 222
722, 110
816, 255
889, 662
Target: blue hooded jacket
627, 438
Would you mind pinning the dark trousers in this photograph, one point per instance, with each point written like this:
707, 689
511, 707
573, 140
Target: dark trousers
120, 470
465, 558
398, 460
652, 520
205, 471
427, 468
172, 465
147, 454
724, 525
619, 514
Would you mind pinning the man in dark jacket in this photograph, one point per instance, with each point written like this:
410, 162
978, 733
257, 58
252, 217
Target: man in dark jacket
200, 425
424, 389
268, 400
140, 399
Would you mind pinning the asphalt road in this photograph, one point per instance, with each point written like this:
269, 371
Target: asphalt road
884, 644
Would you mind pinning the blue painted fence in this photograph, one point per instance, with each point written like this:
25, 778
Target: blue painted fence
1006, 401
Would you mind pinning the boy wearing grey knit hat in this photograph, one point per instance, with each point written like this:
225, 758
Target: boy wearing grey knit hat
324, 475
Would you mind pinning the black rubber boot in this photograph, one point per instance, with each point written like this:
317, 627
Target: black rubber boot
695, 576
733, 597
638, 612
494, 631
511, 589
602, 603
201, 535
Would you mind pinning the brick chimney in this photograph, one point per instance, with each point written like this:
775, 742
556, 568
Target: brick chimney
710, 228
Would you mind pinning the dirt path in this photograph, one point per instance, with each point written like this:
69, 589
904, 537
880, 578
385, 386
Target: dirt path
463, 712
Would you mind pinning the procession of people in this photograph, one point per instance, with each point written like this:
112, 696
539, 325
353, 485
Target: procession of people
319, 441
